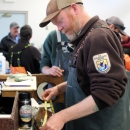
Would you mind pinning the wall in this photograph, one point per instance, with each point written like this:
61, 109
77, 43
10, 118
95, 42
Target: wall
37, 11
108, 8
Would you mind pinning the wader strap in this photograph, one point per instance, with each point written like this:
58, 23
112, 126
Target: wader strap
98, 25
18, 53
58, 36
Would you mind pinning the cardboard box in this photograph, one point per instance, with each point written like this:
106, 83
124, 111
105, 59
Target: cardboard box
10, 122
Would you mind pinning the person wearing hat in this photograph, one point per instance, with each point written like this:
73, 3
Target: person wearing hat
6, 42
117, 25
10, 40
96, 92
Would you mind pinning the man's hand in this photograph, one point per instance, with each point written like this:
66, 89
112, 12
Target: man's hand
49, 93
54, 71
55, 122
73, 112
54, 91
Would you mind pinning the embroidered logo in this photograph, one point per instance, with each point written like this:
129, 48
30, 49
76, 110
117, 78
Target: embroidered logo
102, 63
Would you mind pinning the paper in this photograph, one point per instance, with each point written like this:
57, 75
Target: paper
12, 83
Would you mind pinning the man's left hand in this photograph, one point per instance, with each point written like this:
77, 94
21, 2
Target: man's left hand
55, 122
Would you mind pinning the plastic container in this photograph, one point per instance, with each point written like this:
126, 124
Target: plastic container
7, 68
2, 64
25, 110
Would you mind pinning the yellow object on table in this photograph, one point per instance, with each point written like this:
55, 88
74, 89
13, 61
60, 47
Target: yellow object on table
45, 107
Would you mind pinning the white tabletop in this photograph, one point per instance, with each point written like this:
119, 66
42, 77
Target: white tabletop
32, 87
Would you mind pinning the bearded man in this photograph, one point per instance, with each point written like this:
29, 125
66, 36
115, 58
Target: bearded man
96, 92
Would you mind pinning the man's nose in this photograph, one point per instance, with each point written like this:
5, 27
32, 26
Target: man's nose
59, 28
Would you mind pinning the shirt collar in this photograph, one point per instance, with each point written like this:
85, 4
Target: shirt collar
85, 29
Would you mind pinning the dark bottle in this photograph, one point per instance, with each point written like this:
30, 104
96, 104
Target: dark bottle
25, 110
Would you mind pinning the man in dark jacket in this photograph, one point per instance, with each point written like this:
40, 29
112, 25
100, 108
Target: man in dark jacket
9, 40
22, 54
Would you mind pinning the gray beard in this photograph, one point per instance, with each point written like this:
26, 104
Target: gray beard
71, 37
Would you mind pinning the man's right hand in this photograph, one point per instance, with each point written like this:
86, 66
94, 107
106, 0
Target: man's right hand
49, 93
54, 71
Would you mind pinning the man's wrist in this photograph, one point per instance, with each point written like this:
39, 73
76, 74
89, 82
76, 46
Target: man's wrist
45, 70
58, 89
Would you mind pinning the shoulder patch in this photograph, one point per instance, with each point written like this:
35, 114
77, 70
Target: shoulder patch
102, 63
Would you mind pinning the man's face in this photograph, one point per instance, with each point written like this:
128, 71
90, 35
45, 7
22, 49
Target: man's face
116, 30
14, 31
112, 26
67, 22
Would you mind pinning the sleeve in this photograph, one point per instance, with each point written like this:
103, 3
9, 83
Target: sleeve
126, 44
3, 49
37, 58
47, 50
9, 55
105, 68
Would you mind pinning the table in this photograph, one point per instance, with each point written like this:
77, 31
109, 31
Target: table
40, 78
8, 91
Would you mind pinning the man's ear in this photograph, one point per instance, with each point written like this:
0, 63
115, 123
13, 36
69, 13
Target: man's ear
75, 8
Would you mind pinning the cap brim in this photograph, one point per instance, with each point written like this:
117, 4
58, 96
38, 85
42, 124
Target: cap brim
15, 27
48, 18
122, 32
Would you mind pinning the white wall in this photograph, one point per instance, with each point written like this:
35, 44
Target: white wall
108, 8
37, 11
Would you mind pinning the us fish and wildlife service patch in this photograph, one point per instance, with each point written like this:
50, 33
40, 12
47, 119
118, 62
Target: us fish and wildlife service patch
102, 63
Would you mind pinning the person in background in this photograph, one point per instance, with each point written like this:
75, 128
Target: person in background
96, 92
117, 25
23, 54
10, 40
125, 39
56, 54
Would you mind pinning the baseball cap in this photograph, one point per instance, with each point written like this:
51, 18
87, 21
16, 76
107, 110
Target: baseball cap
14, 25
117, 23
54, 7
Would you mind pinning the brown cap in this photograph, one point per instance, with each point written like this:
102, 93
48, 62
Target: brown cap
54, 7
